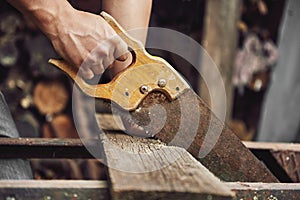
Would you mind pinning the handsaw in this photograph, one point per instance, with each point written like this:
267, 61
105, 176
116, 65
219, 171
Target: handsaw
151, 85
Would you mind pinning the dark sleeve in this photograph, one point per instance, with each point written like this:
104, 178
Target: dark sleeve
11, 168
7, 125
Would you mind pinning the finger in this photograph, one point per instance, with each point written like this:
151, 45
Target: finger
121, 49
98, 69
86, 73
94, 62
108, 61
123, 57
102, 56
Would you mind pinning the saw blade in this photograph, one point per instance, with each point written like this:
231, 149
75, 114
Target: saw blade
189, 123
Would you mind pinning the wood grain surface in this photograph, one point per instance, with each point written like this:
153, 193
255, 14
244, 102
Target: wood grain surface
145, 168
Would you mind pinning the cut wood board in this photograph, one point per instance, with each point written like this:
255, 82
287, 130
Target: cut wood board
148, 169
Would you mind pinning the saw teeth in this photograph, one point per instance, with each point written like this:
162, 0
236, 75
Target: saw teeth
154, 98
126, 117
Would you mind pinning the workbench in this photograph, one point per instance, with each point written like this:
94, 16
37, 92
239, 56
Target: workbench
183, 178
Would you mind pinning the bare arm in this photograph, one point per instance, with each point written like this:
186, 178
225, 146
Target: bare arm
131, 14
81, 38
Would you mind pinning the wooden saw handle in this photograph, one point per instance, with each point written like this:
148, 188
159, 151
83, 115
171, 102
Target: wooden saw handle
127, 89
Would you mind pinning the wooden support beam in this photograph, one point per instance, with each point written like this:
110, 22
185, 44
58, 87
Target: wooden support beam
53, 189
45, 148
283, 159
148, 169
268, 191
273, 146
86, 189
220, 41
280, 158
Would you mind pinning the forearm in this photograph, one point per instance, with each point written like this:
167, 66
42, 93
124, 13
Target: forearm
44, 13
131, 14
86, 40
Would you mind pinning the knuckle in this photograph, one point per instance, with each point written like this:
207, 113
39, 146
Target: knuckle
86, 73
103, 50
98, 69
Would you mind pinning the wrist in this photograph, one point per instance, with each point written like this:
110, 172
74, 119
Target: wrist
51, 20
47, 15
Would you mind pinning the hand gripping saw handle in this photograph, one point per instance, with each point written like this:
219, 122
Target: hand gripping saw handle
145, 74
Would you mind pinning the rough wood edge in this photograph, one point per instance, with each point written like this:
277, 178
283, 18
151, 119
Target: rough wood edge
183, 177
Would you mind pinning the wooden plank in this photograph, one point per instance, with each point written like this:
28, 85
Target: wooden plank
279, 157
46, 148
268, 191
111, 122
53, 189
85, 189
274, 146
148, 169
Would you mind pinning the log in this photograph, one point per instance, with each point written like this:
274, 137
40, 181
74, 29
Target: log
141, 168
61, 126
50, 96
